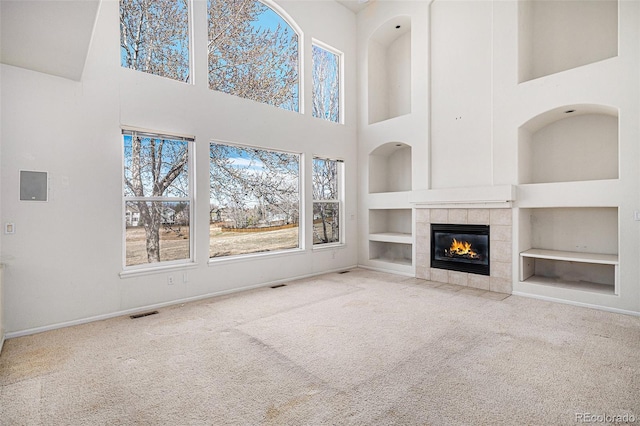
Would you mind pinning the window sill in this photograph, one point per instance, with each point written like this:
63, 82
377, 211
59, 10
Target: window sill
329, 246
157, 269
253, 256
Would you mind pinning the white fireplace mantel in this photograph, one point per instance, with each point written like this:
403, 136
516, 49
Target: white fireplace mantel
496, 196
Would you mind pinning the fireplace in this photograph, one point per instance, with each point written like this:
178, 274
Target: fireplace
463, 248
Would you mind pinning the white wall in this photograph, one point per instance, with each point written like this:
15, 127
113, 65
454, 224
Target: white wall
461, 93
64, 261
481, 99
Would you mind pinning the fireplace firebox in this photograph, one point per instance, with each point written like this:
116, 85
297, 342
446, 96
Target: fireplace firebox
463, 248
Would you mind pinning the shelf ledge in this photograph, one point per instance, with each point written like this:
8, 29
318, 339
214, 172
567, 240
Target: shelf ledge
570, 256
391, 237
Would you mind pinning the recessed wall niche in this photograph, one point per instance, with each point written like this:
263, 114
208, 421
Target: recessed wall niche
390, 168
389, 70
557, 35
567, 144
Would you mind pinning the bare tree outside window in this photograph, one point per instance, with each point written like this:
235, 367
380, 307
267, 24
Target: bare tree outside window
326, 201
154, 37
157, 198
326, 84
254, 200
253, 53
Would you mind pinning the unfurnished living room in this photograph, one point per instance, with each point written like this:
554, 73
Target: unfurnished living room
409, 212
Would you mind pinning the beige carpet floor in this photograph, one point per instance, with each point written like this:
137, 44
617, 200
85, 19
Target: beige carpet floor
355, 349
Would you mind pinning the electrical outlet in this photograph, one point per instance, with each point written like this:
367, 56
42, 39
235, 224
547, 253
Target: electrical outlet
170, 280
9, 228
185, 277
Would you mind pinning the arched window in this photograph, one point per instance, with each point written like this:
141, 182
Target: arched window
154, 37
253, 53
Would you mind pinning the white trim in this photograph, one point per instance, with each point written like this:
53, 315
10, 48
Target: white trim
388, 271
144, 268
161, 134
341, 74
256, 255
156, 269
328, 246
574, 303
301, 191
139, 309
298, 30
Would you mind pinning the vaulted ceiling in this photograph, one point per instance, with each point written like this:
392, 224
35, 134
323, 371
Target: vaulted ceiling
48, 36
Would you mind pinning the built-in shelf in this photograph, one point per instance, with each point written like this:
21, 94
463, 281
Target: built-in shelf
570, 256
392, 237
388, 252
592, 272
570, 248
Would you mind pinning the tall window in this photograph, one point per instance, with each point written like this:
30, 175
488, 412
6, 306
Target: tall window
254, 201
154, 37
326, 201
253, 53
158, 198
326, 83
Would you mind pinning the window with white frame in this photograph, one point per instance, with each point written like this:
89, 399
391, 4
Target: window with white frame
254, 200
158, 199
253, 52
154, 37
326, 82
327, 205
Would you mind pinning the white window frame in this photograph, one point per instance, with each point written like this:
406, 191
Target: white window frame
339, 201
301, 210
340, 55
191, 199
190, 48
279, 10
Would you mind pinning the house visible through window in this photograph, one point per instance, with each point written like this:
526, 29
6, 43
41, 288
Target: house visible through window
326, 83
253, 53
254, 200
154, 37
327, 210
158, 199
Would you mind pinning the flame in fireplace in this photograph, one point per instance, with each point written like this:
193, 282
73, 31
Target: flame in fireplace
462, 248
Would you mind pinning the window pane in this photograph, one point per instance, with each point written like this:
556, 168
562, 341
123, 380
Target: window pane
326, 84
325, 179
155, 167
254, 201
171, 242
154, 37
326, 223
253, 53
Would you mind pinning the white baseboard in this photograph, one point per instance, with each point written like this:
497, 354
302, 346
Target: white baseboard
139, 309
580, 304
388, 271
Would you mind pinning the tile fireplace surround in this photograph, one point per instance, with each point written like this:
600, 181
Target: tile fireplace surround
500, 222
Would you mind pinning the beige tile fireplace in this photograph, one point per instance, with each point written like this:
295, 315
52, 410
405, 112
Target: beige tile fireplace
501, 235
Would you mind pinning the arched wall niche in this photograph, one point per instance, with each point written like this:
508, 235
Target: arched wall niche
558, 35
569, 143
389, 70
390, 168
